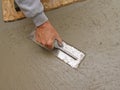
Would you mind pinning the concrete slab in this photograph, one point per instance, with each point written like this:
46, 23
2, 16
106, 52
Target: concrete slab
92, 26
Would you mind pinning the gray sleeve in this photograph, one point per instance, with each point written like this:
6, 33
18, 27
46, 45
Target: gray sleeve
33, 9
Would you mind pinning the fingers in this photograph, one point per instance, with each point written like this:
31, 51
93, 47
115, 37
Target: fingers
50, 44
39, 39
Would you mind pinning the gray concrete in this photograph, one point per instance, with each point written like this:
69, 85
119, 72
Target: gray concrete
92, 26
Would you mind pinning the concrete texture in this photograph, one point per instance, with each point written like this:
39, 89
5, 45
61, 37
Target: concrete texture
92, 26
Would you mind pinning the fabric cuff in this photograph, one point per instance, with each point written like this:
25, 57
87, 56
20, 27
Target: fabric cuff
40, 19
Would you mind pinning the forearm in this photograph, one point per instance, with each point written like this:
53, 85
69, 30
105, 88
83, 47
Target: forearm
33, 9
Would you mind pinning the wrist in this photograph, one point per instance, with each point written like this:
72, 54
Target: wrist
43, 25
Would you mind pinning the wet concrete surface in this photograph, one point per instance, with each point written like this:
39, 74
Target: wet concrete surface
92, 26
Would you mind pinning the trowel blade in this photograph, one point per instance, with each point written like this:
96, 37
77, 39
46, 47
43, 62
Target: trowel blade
73, 62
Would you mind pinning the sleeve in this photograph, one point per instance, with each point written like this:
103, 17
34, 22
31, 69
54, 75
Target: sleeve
33, 9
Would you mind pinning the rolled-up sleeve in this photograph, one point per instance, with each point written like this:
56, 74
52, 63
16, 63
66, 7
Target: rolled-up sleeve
33, 9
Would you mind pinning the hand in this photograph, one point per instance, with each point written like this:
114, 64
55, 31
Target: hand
46, 35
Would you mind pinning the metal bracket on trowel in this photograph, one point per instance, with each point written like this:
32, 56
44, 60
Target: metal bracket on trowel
66, 53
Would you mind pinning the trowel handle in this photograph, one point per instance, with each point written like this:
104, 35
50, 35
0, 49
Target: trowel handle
56, 45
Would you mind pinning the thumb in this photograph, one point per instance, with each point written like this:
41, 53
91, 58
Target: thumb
59, 41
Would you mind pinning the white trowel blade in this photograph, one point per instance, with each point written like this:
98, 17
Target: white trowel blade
67, 53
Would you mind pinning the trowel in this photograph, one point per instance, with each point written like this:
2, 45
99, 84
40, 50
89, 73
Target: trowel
64, 52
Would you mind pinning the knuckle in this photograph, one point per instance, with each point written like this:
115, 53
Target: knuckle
43, 43
49, 44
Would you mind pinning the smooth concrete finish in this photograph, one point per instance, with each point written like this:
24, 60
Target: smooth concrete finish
92, 26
